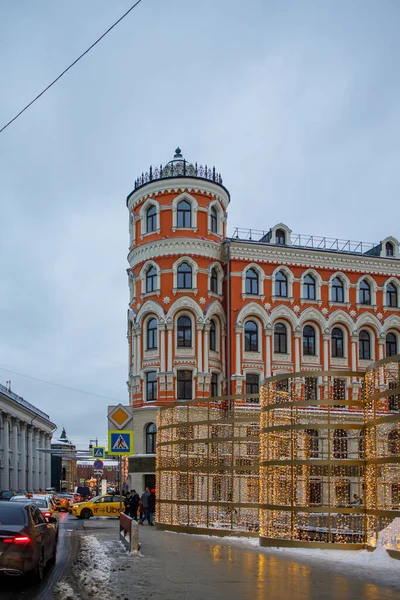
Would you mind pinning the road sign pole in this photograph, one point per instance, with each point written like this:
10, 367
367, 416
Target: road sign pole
120, 484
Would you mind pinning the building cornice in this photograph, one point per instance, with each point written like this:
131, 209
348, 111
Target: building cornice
174, 247
178, 185
313, 259
14, 409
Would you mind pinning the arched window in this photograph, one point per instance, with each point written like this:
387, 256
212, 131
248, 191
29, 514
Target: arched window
214, 281
312, 443
389, 249
213, 220
151, 219
309, 288
251, 337
151, 386
214, 385
364, 345
251, 282
280, 237
151, 279
394, 442
309, 341
337, 343
339, 443
184, 214
213, 336
361, 445
152, 334
281, 285
365, 292
391, 295
151, 432
391, 344
337, 290
184, 332
280, 339
184, 276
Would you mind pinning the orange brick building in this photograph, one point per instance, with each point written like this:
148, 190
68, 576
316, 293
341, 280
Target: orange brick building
211, 314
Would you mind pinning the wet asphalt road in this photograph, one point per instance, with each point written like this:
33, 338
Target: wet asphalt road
18, 588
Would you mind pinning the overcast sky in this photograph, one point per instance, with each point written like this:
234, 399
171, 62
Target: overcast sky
296, 103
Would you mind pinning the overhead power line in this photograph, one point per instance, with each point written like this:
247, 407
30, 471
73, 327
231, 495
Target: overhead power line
61, 385
70, 66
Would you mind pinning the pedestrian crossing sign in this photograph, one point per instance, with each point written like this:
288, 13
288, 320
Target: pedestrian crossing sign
98, 452
120, 442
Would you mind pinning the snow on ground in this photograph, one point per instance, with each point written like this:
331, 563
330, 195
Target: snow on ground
63, 591
93, 567
377, 565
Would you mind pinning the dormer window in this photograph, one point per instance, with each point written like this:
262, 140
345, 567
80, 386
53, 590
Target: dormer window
184, 214
389, 249
280, 237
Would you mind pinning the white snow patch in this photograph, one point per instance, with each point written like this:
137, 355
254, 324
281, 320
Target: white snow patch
63, 591
93, 567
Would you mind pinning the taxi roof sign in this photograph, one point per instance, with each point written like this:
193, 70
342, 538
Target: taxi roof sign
120, 442
98, 452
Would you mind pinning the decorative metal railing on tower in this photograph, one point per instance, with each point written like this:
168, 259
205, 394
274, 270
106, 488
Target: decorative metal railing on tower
179, 167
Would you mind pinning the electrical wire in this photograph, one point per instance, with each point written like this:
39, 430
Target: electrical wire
60, 385
70, 66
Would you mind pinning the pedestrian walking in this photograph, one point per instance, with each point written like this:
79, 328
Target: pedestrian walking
134, 504
127, 504
145, 505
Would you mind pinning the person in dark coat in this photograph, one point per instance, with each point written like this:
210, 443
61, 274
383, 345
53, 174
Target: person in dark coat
134, 504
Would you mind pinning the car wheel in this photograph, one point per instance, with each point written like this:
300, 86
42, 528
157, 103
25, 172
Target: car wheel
86, 513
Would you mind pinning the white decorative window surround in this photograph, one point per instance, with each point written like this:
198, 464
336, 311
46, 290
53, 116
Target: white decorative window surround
278, 356
154, 351
373, 288
190, 351
338, 359
346, 287
132, 286
289, 277
261, 278
142, 277
143, 217
194, 204
394, 244
395, 282
372, 338
215, 353
220, 218
287, 231
318, 283
220, 275
247, 355
132, 228
311, 357
195, 269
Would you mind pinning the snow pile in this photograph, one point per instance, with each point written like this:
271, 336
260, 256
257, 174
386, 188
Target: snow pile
93, 567
63, 591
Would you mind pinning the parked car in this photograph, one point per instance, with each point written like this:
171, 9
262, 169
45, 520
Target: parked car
61, 501
7, 494
45, 504
27, 544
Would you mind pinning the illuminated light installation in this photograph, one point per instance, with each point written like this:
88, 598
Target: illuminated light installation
207, 471
330, 458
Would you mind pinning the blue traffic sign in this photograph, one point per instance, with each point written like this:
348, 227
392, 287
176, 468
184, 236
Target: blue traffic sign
98, 464
98, 452
120, 442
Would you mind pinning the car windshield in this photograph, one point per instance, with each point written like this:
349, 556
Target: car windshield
12, 515
95, 498
39, 503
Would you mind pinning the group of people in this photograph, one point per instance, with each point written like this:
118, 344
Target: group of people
144, 505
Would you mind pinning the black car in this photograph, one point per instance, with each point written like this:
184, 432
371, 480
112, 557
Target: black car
27, 543
7, 494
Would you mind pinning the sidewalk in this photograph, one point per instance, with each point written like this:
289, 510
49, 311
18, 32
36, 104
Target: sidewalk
186, 567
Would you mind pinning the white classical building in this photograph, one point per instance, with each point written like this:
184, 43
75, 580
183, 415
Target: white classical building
23, 430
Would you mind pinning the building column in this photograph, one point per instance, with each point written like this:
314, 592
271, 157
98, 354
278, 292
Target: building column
22, 460
48, 462
162, 347
30, 459
200, 348
354, 340
138, 352
6, 453
223, 354
14, 460
381, 348
206, 347
43, 462
326, 339
169, 359
132, 357
268, 340
297, 338
35, 461
238, 352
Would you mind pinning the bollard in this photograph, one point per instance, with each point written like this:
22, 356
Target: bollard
135, 544
129, 534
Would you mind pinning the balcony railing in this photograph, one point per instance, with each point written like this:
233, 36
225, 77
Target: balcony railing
314, 242
179, 168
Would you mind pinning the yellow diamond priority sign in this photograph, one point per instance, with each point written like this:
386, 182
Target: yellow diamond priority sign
119, 417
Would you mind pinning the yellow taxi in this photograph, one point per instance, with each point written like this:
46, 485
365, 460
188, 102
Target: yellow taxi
100, 506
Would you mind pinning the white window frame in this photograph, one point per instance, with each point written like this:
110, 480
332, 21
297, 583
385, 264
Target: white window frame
185, 351
220, 277
373, 287
290, 278
220, 218
346, 287
343, 329
261, 278
195, 270
289, 332
247, 354
318, 283
317, 331
373, 340
195, 207
394, 282
143, 220
142, 277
